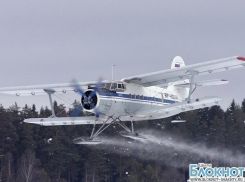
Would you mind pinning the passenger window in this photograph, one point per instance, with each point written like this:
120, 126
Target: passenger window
153, 98
119, 85
133, 96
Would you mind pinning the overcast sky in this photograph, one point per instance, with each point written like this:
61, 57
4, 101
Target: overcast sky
43, 41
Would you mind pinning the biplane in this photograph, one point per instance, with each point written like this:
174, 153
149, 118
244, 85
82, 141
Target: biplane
148, 96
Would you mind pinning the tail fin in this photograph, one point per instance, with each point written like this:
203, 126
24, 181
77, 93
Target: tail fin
177, 62
181, 93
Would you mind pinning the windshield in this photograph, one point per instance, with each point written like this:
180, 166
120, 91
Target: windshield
110, 86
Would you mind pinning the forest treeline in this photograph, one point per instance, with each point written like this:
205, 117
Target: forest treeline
33, 153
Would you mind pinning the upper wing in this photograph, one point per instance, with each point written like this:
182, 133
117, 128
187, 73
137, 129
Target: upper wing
39, 89
182, 73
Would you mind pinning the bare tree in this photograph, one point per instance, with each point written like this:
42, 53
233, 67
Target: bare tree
28, 170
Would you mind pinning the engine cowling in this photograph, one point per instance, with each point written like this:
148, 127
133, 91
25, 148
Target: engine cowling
90, 102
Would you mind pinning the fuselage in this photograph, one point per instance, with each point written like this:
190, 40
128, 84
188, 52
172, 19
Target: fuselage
131, 99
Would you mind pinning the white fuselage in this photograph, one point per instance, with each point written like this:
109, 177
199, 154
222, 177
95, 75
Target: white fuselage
136, 99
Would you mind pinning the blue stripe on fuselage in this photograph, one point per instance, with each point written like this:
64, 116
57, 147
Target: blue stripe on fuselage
128, 96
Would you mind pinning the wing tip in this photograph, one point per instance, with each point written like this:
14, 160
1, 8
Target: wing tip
224, 80
241, 58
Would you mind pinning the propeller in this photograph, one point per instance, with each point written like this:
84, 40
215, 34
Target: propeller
89, 98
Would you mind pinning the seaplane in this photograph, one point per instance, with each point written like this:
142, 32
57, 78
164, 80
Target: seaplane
143, 97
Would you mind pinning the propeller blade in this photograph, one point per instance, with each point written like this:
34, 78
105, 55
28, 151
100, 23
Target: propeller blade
77, 88
96, 112
92, 105
96, 88
76, 111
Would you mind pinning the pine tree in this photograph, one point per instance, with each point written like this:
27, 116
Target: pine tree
150, 174
231, 125
26, 131
243, 105
8, 140
95, 166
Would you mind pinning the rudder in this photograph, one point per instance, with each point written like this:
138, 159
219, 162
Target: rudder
181, 93
177, 62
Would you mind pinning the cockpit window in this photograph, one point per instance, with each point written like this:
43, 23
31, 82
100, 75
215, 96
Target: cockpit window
113, 86
110, 86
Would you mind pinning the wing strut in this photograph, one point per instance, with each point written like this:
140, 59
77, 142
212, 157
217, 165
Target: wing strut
191, 78
50, 92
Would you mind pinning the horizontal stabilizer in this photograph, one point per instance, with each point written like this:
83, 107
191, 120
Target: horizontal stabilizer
204, 83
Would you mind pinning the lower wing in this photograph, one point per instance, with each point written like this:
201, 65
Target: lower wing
176, 108
154, 113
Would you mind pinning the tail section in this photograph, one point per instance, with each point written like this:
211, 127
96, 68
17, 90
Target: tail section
177, 62
181, 93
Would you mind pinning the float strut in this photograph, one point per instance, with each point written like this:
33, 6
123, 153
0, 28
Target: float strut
92, 134
132, 124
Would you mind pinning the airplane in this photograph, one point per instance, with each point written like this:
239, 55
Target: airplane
143, 97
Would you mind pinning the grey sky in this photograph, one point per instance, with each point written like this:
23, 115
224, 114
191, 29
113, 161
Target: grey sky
47, 41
